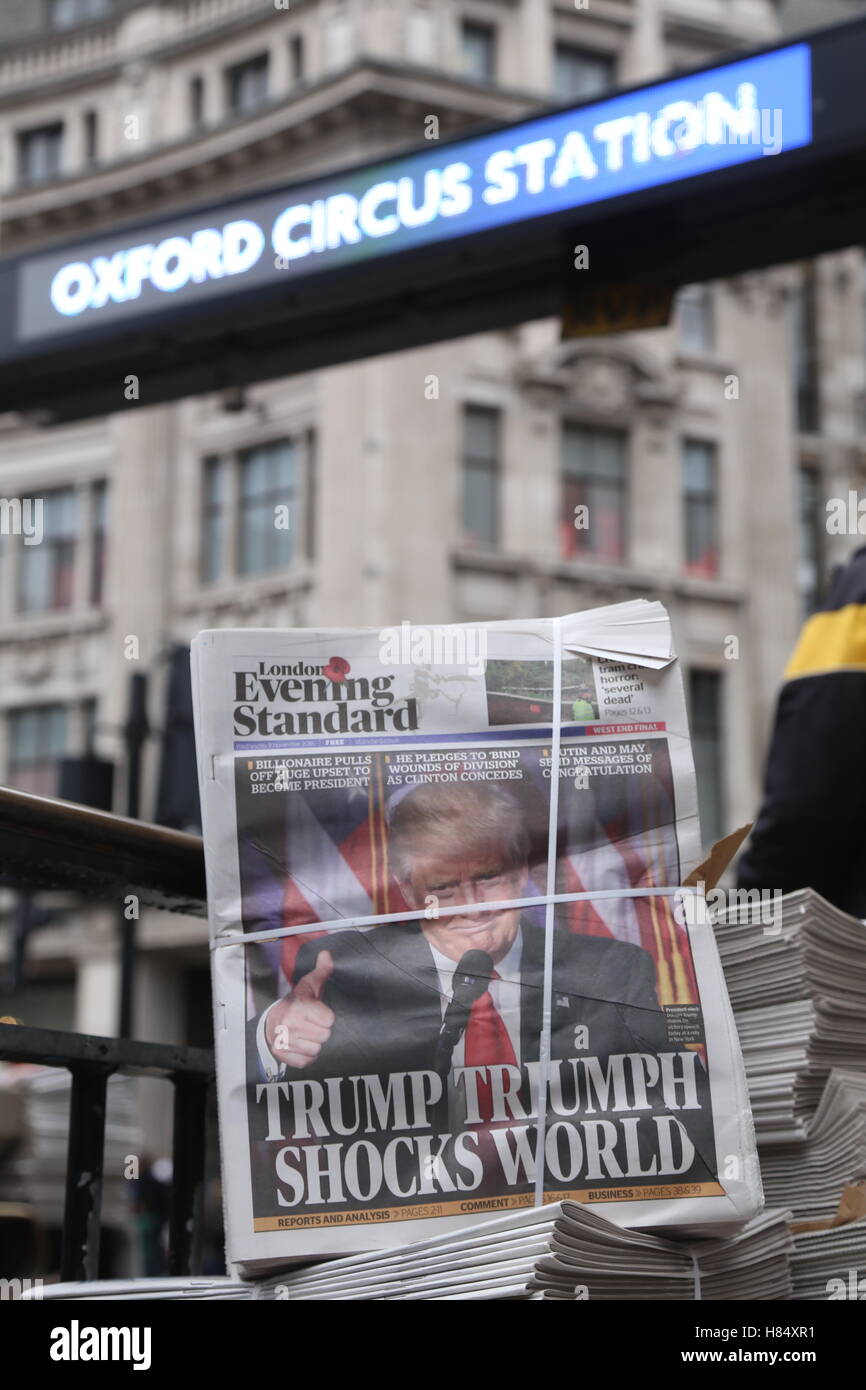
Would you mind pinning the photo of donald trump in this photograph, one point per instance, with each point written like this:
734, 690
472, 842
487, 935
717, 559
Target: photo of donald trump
378, 1000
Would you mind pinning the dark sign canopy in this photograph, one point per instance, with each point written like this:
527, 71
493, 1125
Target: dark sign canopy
735, 166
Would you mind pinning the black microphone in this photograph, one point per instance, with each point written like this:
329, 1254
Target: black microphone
471, 980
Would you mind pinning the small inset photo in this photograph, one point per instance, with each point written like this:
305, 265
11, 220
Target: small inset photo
521, 692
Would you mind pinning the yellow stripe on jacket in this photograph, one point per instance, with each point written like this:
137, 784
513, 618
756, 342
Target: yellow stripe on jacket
831, 642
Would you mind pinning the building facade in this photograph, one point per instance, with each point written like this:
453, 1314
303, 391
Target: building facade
438, 484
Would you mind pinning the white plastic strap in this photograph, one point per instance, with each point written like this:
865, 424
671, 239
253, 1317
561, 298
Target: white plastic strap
552, 836
547, 900
696, 1275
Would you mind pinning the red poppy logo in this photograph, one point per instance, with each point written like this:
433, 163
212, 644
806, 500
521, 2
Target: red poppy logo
337, 669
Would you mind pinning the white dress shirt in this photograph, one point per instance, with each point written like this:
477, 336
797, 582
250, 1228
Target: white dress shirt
504, 992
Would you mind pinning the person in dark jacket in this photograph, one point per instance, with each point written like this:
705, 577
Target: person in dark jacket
811, 828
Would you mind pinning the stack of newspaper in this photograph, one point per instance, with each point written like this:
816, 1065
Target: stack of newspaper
830, 1263
796, 974
775, 1044
213, 1287
561, 1251
809, 1177
829, 1255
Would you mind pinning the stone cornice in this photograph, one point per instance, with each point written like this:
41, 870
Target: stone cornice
57, 61
233, 156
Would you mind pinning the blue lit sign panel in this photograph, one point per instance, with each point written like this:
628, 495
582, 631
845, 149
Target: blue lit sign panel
747, 110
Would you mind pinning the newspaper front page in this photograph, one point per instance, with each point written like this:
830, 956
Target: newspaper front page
446, 936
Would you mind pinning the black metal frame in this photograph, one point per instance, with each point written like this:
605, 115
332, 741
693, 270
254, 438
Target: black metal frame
57, 845
91, 1060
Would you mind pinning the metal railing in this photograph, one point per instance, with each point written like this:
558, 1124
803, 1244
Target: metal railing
91, 1060
46, 844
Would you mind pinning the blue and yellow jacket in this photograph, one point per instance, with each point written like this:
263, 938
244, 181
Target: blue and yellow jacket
811, 828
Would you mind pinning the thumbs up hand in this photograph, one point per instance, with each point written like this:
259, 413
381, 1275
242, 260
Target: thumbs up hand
310, 987
298, 1026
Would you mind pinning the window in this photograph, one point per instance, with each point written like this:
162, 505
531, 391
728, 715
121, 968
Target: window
700, 496
695, 320
247, 85
98, 541
594, 493
46, 571
267, 508
40, 153
481, 430
296, 58
811, 516
36, 741
478, 51
196, 102
579, 73
91, 137
255, 509
804, 343
65, 14
705, 707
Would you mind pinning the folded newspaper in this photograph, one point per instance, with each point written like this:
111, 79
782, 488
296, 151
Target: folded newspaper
454, 971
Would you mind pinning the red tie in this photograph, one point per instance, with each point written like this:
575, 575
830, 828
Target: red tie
487, 1043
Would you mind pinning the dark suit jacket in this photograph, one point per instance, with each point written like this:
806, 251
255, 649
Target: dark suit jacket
386, 997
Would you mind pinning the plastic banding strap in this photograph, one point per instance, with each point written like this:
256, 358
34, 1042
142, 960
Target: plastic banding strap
547, 998
242, 938
696, 1274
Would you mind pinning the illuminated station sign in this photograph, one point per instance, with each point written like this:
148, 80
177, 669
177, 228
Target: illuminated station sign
756, 161
747, 110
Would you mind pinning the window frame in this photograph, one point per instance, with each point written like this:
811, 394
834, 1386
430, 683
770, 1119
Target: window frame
39, 764
562, 45
258, 62
223, 517
699, 300
489, 466
271, 497
101, 10
65, 544
54, 168
468, 25
583, 549
695, 502
87, 564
